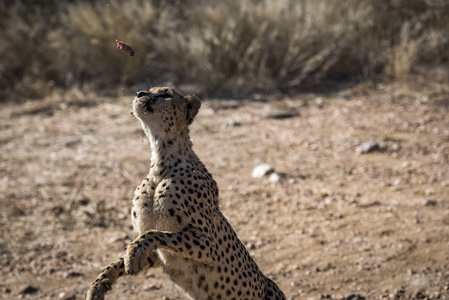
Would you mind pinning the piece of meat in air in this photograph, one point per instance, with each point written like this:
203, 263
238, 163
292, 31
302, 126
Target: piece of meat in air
125, 48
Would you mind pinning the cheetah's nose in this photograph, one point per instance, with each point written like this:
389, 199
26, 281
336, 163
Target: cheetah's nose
141, 94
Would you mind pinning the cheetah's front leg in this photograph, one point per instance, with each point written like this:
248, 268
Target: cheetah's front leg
190, 244
104, 281
110, 274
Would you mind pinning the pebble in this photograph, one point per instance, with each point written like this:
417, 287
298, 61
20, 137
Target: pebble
83, 200
319, 102
274, 177
430, 203
262, 170
72, 143
281, 113
422, 282
63, 296
230, 123
367, 147
355, 297
429, 191
230, 104
57, 210
73, 274
152, 287
28, 289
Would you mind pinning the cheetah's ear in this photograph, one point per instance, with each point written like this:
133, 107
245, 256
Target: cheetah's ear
193, 106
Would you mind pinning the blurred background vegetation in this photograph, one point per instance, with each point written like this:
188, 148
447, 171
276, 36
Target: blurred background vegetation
230, 47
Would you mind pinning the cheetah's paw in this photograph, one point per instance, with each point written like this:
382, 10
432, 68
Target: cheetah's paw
138, 257
98, 289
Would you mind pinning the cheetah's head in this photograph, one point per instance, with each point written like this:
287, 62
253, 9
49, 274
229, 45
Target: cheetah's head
163, 111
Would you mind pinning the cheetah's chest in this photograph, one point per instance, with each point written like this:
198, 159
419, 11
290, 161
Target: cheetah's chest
144, 208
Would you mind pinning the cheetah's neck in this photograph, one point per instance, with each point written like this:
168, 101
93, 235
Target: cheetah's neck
165, 151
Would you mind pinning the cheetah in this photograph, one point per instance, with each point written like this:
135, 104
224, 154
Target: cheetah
175, 210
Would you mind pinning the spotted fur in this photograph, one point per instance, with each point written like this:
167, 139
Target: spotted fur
176, 212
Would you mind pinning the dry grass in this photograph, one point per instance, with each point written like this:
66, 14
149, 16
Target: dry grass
220, 46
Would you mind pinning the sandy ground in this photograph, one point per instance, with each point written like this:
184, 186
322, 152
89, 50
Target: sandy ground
338, 224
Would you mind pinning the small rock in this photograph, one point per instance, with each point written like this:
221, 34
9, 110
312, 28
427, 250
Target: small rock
281, 113
230, 104
259, 98
319, 102
83, 200
73, 274
367, 147
250, 246
58, 210
152, 287
367, 203
72, 143
430, 203
27, 290
262, 170
17, 211
355, 297
422, 282
429, 191
230, 123
274, 177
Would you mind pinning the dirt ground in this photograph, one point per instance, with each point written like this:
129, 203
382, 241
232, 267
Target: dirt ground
337, 224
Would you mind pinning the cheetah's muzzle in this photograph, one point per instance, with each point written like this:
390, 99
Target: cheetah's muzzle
148, 107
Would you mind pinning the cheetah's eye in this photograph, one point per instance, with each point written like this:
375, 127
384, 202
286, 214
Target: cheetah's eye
164, 96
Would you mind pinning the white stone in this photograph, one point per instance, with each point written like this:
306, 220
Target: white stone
262, 170
274, 177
